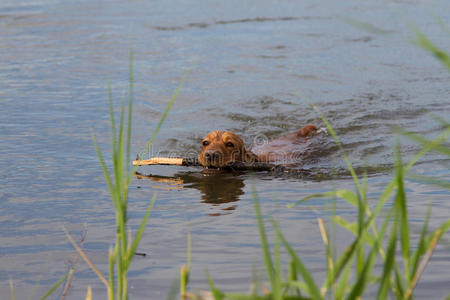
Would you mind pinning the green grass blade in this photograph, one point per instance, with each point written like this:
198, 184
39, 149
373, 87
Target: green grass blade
362, 203
184, 279
166, 111
426, 44
313, 290
360, 284
118, 171
346, 256
360, 189
292, 271
353, 228
139, 233
346, 195
264, 244
388, 264
55, 286
237, 296
129, 125
401, 206
361, 266
112, 123
118, 182
304, 199
105, 171
277, 289
363, 278
217, 294
343, 282
360, 250
297, 285
130, 107
121, 212
424, 142
427, 147
292, 277
421, 244
341, 148
118, 160
430, 180
399, 284
370, 28
341, 263
393, 184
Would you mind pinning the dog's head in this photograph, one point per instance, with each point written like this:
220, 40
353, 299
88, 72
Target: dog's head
220, 148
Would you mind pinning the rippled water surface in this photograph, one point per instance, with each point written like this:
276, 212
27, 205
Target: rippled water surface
255, 68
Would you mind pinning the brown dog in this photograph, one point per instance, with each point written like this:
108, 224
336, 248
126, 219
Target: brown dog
220, 148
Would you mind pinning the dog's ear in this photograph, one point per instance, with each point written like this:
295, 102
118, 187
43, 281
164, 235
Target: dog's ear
249, 156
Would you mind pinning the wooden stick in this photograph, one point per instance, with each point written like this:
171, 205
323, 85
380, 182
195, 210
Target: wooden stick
237, 166
234, 166
159, 161
176, 161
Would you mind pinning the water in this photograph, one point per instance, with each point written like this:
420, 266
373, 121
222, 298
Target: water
256, 67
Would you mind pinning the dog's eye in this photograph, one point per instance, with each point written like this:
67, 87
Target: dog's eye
229, 144
205, 143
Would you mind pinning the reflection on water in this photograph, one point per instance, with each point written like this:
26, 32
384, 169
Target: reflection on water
215, 186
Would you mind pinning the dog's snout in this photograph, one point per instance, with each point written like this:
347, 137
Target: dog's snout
213, 155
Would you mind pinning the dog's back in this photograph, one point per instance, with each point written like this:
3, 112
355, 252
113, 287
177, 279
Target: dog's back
287, 150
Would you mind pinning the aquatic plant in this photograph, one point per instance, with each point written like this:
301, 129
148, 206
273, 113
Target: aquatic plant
371, 243
118, 181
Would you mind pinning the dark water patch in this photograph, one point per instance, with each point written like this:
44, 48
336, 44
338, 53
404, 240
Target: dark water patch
278, 47
271, 56
364, 39
227, 22
314, 77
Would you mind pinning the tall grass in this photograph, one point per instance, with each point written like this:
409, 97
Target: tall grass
372, 243
118, 181
389, 243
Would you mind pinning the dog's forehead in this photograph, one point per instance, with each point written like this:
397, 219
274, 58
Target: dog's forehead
220, 135
229, 135
214, 135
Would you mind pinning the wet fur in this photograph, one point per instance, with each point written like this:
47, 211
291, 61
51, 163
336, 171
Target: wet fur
220, 148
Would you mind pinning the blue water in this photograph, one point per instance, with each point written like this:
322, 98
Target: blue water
255, 66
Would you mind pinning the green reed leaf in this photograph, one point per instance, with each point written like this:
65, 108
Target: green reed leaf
139, 233
313, 290
271, 273
54, 287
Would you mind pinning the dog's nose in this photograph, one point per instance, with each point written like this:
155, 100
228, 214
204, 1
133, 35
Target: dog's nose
213, 155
